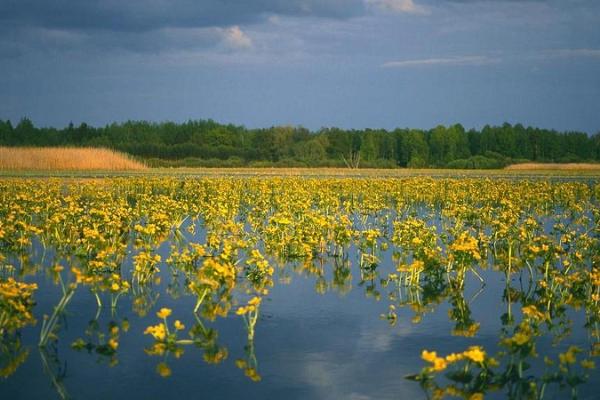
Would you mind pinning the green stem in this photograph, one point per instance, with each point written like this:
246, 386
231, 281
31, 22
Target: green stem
200, 300
49, 325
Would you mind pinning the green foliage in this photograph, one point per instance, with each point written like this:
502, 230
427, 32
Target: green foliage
206, 143
476, 162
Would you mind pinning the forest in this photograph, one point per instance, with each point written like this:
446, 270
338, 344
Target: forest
208, 143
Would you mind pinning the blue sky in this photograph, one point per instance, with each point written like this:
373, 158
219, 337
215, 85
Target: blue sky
316, 63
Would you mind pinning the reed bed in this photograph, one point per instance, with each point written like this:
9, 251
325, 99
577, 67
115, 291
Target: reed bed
555, 166
66, 158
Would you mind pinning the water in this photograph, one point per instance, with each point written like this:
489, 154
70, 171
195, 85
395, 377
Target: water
324, 331
307, 345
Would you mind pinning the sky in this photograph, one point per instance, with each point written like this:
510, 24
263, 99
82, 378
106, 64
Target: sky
316, 63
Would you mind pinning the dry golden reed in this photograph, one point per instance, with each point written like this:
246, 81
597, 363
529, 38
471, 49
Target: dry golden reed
65, 158
554, 166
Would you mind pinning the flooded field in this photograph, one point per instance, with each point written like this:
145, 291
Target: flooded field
299, 287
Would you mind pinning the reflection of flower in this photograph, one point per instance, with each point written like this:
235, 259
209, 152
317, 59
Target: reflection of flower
466, 331
569, 356
163, 370
216, 355
249, 370
589, 364
12, 355
104, 344
532, 312
16, 302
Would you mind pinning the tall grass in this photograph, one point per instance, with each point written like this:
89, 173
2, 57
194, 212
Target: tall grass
554, 166
65, 158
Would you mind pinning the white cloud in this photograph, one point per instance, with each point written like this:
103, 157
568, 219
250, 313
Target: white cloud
274, 19
572, 53
451, 61
235, 38
398, 6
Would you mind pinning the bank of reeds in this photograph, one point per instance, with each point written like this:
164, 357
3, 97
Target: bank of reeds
66, 158
554, 166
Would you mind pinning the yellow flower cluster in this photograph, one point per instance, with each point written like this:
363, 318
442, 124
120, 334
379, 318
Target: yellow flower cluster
466, 244
252, 306
159, 331
474, 354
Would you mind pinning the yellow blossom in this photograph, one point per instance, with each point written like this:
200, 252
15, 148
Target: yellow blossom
179, 326
163, 313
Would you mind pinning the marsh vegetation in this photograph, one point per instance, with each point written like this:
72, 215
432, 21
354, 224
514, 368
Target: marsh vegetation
472, 287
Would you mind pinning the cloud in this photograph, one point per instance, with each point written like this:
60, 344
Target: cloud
398, 6
479, 60
43, 42
156, 26
572, 53
142, 15
235, 38
449, 61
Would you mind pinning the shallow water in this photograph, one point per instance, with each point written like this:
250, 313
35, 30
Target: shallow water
322, 330
307, 344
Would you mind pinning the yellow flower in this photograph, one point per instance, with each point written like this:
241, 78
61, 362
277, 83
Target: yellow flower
163, 313
159, 331
475, 354
179, 326
451, 358
439, 364
254, 301
428, 356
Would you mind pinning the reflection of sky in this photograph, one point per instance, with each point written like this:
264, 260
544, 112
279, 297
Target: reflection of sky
308, 345
349, 63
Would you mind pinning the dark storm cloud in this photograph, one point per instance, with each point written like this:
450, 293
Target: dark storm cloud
144, 15
310, 62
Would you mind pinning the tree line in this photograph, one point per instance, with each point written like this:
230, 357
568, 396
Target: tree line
208, 143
